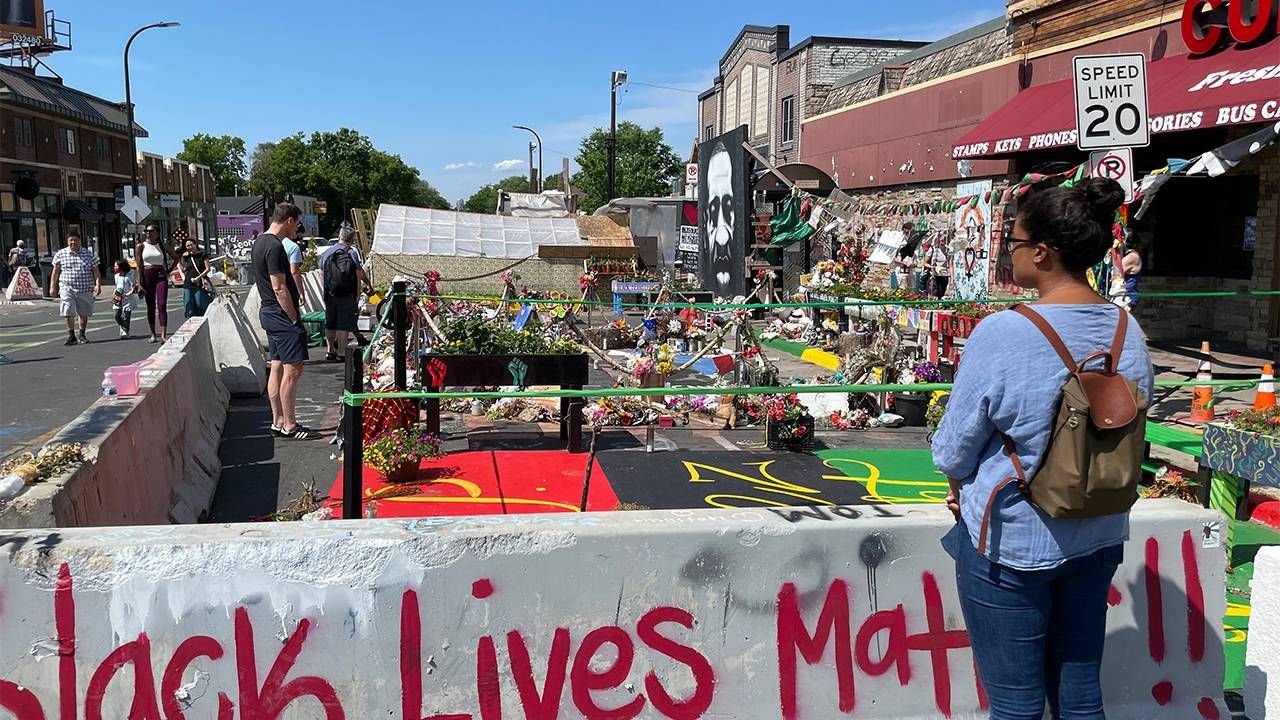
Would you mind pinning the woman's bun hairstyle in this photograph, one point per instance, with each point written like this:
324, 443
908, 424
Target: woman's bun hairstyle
1074, 221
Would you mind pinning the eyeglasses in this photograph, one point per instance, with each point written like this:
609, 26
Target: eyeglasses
1010, 242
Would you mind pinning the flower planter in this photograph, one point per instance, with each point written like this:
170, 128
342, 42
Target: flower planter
1249, 456
912, 407
565, 371
775, 439
405, 472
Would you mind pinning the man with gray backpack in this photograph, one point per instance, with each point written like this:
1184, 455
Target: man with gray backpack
342, 277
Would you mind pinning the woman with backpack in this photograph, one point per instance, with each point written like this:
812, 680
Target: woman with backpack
1042, 442
341, 277
196, 286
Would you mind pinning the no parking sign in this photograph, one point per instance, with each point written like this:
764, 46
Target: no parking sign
1116, 164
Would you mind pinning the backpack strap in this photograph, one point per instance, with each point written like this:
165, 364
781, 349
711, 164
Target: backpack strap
1019, 477
1117, 343
1049, 333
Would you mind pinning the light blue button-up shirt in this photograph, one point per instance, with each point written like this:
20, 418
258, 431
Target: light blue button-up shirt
1010, 380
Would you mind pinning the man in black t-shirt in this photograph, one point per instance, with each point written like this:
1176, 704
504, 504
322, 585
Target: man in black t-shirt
281, 318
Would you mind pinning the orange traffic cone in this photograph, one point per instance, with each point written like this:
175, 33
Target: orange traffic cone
1266, 397
1202, 395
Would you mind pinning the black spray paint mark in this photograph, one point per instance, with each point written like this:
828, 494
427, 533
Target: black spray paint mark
872, 552
795, 515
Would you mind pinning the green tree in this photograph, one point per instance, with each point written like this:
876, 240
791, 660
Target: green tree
342, 168
645, 166
485, 200
224, 156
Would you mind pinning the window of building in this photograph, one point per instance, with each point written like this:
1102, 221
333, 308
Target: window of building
788, 118
709, 132
24, 132
67, 139
1184, 231
104, 148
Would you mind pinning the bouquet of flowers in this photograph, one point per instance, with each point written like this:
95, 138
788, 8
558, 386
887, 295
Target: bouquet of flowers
927, 372
786, 412
587, 282
850, 419
403, 446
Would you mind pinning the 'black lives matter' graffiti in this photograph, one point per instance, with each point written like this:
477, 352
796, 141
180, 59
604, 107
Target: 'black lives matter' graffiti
724, 212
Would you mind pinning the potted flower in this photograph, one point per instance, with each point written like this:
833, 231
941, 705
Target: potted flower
912, 406
396, 454
788, 425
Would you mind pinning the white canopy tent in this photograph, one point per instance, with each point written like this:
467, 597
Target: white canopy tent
404, 230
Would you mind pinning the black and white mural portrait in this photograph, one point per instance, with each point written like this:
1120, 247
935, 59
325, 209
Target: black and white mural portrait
724, 212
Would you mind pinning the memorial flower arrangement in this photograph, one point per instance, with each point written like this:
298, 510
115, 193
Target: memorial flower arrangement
393, 450
788, 414
587, 282
926, 372
1263, 422
478, 335
49, 461
858, 419
620, 411
514, 408
1168, 482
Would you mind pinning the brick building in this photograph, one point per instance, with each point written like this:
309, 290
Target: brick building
987, 105
771, 86
72, 149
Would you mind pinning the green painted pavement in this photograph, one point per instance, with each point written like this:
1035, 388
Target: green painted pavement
891, 476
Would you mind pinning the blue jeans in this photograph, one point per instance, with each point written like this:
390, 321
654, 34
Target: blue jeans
1037, 633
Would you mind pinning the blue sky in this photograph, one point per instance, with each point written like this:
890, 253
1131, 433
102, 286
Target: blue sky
440, 83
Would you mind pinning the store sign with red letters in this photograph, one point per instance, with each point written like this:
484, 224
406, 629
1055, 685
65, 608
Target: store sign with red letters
1247, 21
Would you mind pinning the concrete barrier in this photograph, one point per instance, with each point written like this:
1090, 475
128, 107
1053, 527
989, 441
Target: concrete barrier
252, 304
313, 280
236, 354
155, 454
752, 613
1262, 661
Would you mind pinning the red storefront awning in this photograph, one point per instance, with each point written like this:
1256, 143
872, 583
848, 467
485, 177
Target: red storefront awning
1233, 87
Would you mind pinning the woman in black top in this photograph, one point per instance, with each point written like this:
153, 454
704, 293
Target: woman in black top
195, 280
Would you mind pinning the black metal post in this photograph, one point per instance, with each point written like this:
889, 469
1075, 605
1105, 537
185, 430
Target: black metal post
613, 134
400, 330
128, 100
353, 439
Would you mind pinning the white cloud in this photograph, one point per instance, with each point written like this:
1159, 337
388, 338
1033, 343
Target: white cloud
461, 165
507, 164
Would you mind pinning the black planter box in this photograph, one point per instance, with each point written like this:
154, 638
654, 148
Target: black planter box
912, 407
460, 370
565, 371
775, 441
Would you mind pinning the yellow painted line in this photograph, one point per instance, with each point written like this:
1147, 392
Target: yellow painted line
821, 358
1237, 610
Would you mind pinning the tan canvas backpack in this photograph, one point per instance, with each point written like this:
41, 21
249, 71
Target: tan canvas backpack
1094, 460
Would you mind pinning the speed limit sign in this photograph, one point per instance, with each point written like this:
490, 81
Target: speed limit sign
1111, 101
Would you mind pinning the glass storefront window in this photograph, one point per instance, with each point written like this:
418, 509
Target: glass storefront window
42, 235
6, 202
24, 205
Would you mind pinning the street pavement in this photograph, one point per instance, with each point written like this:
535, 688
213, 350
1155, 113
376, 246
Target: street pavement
48, 384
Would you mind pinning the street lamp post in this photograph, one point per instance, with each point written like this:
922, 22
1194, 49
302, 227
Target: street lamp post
128, 99
616, 79
538, 187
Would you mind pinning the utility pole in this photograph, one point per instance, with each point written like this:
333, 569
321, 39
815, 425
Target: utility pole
533, 172
533, 186
617, 78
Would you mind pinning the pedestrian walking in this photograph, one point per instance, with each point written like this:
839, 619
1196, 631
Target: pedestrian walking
79, 282
281, 318
938, 260
341, 277
196, 286
904, 270
1034, 589
18, 258
125, 296
154, 261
